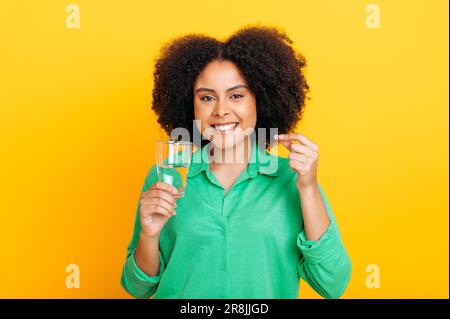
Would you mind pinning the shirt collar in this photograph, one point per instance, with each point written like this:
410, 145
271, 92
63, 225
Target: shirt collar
260, 162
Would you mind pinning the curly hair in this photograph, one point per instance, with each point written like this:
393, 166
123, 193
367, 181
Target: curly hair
264, 55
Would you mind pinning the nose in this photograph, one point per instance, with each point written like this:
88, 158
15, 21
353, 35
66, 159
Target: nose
221, 109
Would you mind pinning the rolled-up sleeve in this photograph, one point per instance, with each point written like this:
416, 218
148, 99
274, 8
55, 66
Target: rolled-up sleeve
325, 264
135, 281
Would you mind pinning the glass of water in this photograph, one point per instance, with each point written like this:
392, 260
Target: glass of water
173, 159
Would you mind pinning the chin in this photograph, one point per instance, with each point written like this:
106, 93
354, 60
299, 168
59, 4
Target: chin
224, 139
225, 142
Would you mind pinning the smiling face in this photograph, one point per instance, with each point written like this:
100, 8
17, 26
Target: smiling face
224, 104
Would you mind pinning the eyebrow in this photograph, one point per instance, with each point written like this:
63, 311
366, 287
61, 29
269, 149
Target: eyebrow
228, 90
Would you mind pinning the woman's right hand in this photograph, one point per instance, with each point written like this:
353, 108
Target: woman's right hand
157, 205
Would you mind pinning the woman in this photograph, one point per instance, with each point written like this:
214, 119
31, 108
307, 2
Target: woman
246, 228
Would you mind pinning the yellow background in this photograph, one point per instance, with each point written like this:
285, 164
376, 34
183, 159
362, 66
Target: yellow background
77, 133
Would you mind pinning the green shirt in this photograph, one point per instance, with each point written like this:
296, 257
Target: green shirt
246, 243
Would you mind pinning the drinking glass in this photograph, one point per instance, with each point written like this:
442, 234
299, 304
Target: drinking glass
173, 159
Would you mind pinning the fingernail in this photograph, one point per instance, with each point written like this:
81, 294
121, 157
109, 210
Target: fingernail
174, 190
276, 136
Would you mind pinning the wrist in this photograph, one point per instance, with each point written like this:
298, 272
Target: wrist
307, 189
148, 238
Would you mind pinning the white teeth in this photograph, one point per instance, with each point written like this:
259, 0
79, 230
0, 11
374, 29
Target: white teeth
224, 128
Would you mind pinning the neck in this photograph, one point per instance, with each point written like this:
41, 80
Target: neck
238, 156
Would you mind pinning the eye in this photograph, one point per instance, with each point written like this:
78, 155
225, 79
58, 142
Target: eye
236, 96
207, 98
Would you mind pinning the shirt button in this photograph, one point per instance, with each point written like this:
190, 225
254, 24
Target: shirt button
222, 232
223, 267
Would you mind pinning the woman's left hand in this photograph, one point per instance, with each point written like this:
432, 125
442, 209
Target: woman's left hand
303, 157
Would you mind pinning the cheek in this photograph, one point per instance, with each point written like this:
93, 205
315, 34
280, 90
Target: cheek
201, 116
248, 114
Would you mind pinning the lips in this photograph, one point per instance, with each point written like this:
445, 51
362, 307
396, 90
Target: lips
225, 127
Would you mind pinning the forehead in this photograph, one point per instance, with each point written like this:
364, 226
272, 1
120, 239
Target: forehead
219, 74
